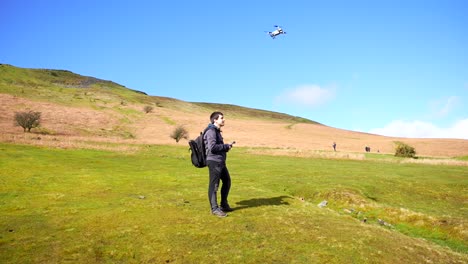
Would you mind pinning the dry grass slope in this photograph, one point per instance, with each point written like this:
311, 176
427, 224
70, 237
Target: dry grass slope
77, 109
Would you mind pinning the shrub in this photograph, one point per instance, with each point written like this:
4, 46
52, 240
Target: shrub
28, 120
148, 109
179, 133
404, 150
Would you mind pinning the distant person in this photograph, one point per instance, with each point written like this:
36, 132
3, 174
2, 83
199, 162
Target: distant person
334, 146
216, 161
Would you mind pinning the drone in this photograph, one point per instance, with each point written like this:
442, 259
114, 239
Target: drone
276, 32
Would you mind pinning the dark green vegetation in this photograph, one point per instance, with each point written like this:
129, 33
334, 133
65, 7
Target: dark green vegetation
404, 150
28, 120
179, 133
89, 206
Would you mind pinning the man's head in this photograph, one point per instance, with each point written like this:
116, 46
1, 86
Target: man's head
217, 119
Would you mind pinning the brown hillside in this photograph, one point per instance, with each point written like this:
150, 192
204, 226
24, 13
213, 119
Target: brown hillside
69, 125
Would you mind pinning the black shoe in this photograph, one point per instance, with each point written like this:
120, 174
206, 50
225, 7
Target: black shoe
226, 208
219, 213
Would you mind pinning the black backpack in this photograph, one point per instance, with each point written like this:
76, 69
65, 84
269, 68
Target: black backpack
197, 147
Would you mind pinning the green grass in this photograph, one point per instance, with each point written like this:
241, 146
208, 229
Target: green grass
168, 120
245, 112
92, 206
71, 89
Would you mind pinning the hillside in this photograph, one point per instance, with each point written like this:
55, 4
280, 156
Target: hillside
82, 111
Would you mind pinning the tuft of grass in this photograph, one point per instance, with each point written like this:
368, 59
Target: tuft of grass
290, 126
168, 121
44, 131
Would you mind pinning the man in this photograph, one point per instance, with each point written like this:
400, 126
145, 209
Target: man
216, 161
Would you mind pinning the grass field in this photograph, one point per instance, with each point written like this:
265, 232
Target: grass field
151, 206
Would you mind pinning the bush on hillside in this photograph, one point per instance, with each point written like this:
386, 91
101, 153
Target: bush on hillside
148, 109
28, 120
404, 150
179, 133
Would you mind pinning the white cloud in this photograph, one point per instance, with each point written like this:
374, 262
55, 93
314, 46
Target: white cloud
443, 107
420, 129
308, 95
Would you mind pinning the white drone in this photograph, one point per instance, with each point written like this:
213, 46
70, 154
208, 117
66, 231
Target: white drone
276, 32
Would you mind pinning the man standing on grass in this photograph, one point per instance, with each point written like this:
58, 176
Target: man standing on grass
216, 152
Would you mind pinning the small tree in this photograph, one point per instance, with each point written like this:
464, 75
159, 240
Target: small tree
404, 150
148, 109
179, 133
28, 120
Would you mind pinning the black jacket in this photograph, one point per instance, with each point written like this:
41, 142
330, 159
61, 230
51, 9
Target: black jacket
215, 148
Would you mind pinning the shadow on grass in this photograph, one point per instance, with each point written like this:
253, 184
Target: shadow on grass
256, 202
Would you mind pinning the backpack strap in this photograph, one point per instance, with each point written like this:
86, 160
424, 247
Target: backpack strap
206, 129
203, 137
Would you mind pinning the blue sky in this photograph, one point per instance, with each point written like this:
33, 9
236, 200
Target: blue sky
390, 67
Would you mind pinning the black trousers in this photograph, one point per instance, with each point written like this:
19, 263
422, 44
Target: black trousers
218, 171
